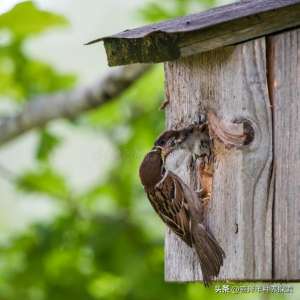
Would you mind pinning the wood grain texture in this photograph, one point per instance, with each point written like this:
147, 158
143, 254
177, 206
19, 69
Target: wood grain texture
196, 33
232, 82
285, 91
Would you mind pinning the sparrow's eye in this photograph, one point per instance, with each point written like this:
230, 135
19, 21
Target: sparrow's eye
161, 143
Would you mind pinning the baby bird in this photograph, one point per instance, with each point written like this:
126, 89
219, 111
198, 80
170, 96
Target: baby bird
196, 140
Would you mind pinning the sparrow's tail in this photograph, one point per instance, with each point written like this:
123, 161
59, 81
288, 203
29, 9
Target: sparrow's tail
210, 253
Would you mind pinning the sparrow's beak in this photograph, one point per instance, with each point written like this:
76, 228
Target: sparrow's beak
164, 151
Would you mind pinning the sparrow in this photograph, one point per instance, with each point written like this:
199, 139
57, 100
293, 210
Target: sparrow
196, 140
179, 207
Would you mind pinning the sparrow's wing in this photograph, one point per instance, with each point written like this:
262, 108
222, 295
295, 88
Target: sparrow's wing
170, 203
182, 211
191, 199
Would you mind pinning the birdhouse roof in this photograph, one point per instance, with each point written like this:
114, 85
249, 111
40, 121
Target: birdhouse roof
196, 33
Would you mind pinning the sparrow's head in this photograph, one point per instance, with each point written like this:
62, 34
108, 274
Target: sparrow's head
151, 169
168, 141
171, 140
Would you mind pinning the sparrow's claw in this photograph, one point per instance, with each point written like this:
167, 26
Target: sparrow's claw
230, 134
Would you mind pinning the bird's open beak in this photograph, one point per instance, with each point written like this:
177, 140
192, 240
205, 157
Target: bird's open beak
165, 151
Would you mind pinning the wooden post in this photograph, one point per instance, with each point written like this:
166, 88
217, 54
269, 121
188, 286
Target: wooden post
285, 86
232, 82
255, 209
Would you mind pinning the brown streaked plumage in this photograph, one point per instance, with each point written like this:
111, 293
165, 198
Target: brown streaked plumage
180, 209
196, 140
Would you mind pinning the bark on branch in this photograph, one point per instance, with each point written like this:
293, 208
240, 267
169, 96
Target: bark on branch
37, 113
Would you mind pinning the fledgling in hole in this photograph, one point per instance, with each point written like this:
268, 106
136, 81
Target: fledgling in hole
196, 140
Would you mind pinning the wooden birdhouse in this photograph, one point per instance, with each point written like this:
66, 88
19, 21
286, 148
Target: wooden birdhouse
242, 62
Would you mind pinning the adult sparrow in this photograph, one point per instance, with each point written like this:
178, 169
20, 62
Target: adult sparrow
180, 209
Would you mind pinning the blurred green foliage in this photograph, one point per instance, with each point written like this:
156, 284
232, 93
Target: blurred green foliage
161, 10
23, 77
106, 242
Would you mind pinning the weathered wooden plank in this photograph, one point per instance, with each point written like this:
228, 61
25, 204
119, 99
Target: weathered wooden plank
232, 82
285, 91
196, 33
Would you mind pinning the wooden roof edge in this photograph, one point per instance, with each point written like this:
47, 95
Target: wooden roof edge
196, 33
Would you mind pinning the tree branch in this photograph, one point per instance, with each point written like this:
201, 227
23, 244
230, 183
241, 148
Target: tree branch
37, 113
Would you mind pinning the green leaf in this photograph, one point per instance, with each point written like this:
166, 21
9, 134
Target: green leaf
26, 19
42, 78
8, 86
154, 12
47, 143
45, 181
107, 286
23, 78
208, 3
139, 98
